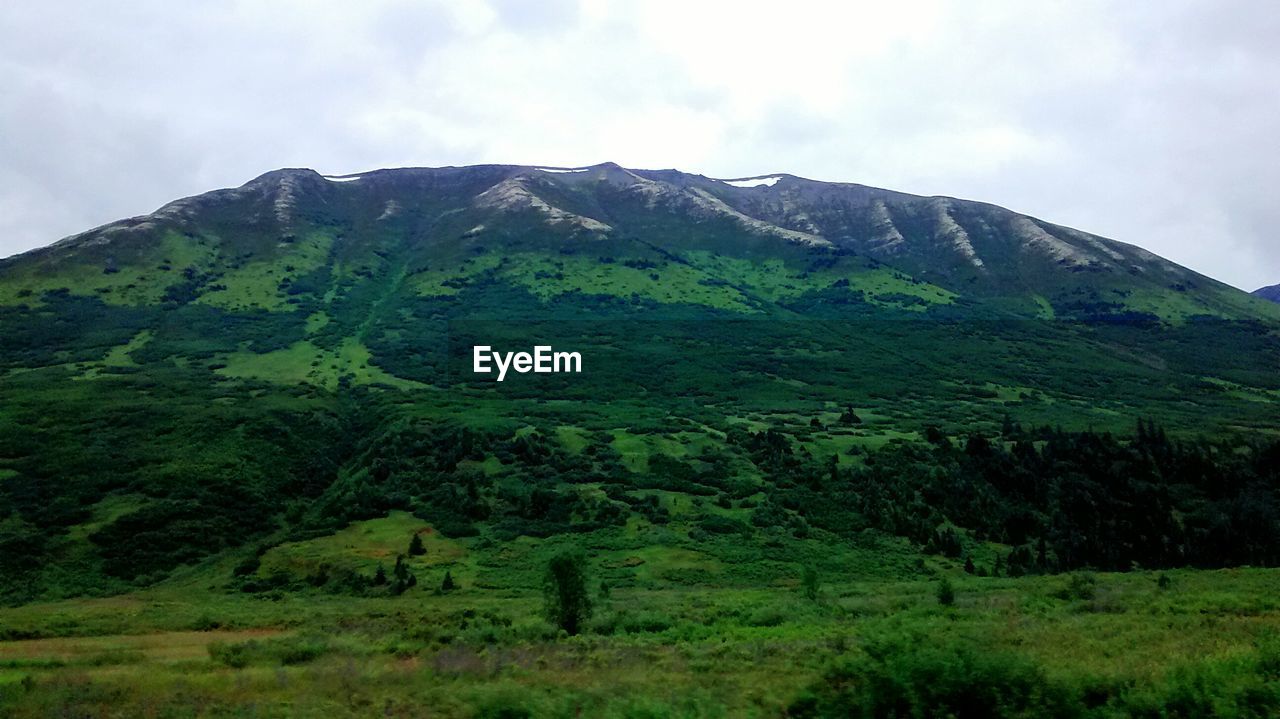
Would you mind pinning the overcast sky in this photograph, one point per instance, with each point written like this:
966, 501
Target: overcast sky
1152, 123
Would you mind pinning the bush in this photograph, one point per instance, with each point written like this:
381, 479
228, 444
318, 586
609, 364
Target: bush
1208, 688
766, 617
568, 603
1079, 586
723, 525
810, 583
946, 593
646, 623
283, 651
235, 656
911, 679
205, 623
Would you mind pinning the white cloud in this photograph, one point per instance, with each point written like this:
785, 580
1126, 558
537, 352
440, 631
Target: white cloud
1153, 124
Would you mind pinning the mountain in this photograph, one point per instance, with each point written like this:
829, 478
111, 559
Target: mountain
1271, 293
293, 235
256, 368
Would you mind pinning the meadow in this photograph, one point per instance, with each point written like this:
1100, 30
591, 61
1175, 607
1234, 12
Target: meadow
1175, 643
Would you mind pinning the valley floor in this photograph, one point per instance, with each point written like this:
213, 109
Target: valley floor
1179, 643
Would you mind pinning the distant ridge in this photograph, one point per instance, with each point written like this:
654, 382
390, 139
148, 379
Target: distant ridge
1269, 293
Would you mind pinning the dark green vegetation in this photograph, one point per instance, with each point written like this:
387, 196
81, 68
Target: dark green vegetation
568, 600
830, 453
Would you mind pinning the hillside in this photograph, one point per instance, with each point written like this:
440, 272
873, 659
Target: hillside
1271, 293
241, 436
252, 357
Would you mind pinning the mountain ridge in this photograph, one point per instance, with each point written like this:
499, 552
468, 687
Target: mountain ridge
965, 246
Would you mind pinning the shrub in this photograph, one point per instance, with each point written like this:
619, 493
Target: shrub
282, 651
766, 617
1268, 653
1080, 586
946, 593
235, 656
646, 623
205, 623
810, 583
723, 525
568, 603
917, 680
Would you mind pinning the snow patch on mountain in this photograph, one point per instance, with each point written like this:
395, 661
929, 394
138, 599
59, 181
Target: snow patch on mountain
753, 182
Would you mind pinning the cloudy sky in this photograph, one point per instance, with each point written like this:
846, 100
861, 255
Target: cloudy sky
1152, 123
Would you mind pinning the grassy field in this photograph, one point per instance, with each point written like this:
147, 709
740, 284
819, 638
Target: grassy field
184, 650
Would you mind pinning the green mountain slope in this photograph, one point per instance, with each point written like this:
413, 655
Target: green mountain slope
265, 364
293, 235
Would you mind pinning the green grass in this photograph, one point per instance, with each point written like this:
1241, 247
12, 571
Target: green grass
257, 283
708, 651
316, 321
573, 439
118, 356
774, 280
667, 282
139, 275
303, 362
365, 546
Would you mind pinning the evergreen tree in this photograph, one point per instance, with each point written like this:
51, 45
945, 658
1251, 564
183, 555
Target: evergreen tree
810, 583
402, 578
416, 548
447, 585
946, 593
933, 435
568, 603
